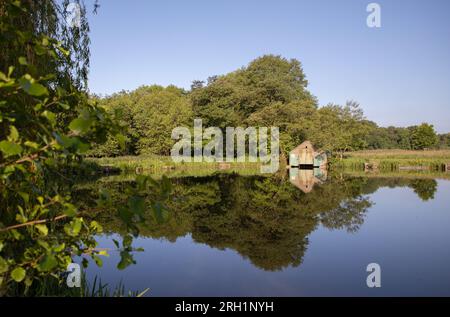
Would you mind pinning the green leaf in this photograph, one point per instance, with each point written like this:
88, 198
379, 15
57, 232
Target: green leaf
48, 263
59, 248
9, 148
3, 76
32, 88
13, 134
9, 169
43, 244
51, 117
64, 140
18, 274
80, 125
65, 106
126, 259
16, 234
73, 228
70, 210
30, 144
10, 70
42, 229
97, 260
28, 281
96, 226
23, 61
25, 197
3, 265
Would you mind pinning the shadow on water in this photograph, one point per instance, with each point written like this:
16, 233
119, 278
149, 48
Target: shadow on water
265, 219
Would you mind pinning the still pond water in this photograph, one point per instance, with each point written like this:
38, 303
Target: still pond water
230, 235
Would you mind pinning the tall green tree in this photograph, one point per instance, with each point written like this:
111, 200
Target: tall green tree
118, 105
155, 113
423, 136
388, 138
230, 99
294, 119
339, 128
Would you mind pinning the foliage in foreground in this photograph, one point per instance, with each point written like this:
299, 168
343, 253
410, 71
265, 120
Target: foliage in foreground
47, 123
56, 287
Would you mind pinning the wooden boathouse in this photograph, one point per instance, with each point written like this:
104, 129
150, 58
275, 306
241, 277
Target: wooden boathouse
305, 156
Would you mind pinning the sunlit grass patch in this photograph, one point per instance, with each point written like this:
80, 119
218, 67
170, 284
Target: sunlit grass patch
396, 159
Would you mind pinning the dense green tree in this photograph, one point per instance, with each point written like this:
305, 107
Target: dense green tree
230, 99
339, 128
294, 119
388, 138
149, 113
423, 136
401, 137
156, 112
119, 106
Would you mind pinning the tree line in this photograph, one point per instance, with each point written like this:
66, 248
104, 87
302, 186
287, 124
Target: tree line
269, 91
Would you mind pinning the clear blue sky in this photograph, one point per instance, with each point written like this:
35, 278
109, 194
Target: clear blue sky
399, 73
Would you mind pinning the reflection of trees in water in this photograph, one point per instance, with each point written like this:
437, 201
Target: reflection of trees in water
424, 188
348, 215
265, 219
258, 218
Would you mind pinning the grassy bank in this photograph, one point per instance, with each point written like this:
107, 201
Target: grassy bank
384, 160
164, 164
395, 159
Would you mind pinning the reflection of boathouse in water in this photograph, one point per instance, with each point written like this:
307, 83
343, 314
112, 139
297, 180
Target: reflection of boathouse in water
307, 167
